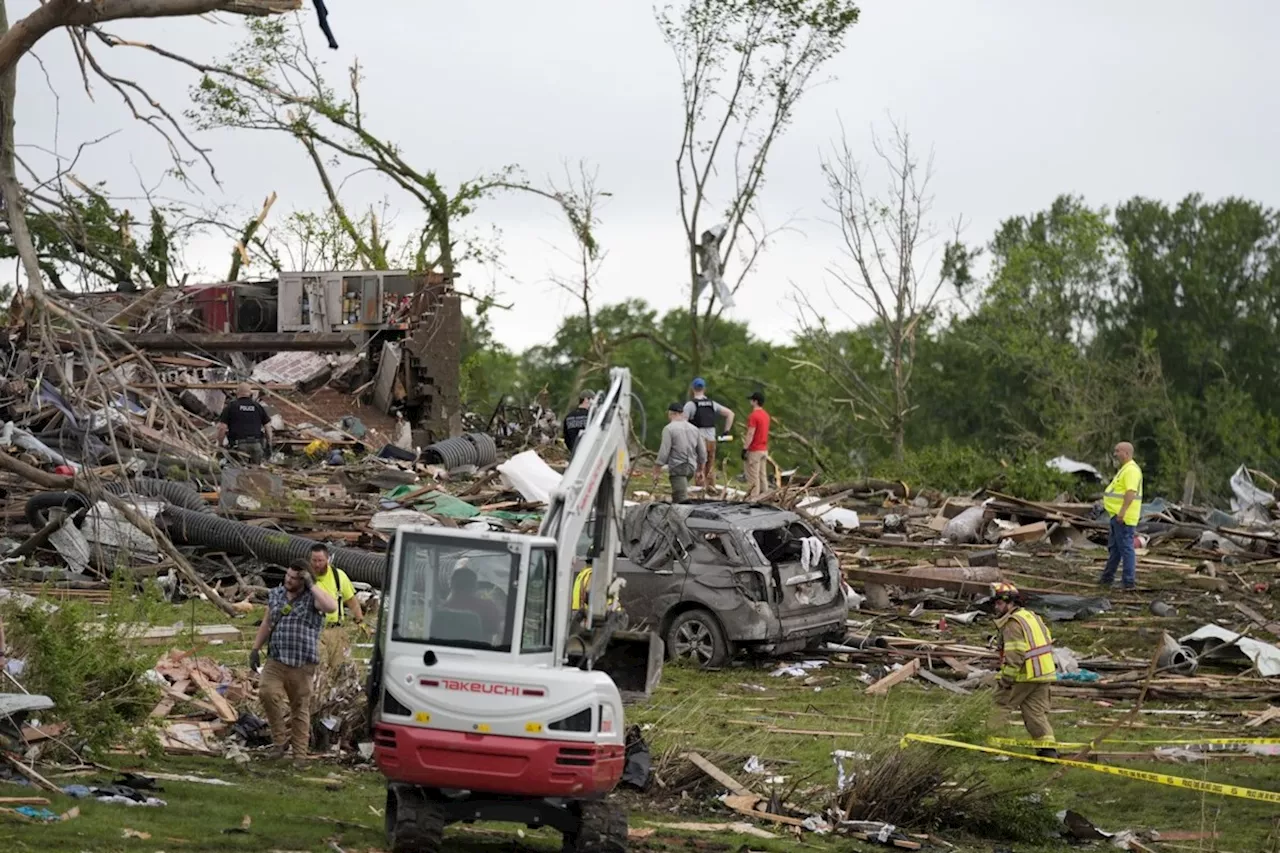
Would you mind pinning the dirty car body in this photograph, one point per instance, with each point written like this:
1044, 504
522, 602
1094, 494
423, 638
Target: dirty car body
745, 566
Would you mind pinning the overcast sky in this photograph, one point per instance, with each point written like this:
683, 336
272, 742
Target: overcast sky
1019, 101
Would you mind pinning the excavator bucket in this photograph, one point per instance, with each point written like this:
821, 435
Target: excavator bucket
633, 659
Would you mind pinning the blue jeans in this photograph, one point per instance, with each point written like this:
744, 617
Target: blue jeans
1120, 551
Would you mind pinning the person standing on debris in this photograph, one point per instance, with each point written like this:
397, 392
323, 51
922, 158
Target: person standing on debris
755, 447
702, 411
1026, 665
1123, 502
291, 630
683, 451
335, 582
246, 425
576, 421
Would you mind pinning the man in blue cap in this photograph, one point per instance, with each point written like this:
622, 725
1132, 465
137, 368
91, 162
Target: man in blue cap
702, 411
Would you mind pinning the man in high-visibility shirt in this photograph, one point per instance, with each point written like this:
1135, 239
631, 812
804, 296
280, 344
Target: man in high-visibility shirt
1026, 665
1123, 502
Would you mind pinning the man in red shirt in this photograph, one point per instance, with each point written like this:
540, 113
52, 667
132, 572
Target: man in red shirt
756, 447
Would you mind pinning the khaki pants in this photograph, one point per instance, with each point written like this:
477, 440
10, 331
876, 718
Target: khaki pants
757, 473
707, 475
1032, 699
288, 688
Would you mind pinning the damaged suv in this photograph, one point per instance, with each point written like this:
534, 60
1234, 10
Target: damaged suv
715, 578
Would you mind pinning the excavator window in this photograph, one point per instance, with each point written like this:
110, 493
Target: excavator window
456, 595
539, 605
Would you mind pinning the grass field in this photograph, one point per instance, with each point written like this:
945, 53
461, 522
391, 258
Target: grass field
727, 716
711, 712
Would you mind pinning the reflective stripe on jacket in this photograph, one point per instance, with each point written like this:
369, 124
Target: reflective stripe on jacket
1027, 647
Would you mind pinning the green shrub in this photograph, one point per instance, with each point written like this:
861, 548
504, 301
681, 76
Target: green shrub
96, 681
961, 468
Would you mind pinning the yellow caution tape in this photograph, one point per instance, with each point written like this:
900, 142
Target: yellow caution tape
1128, 773
1220, 741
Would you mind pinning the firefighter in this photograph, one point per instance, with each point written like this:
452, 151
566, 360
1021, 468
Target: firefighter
1026, 665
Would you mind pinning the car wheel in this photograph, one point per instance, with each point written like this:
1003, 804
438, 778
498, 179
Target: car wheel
696, 636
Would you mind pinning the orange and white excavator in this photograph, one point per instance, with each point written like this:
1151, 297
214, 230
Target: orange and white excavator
487, 694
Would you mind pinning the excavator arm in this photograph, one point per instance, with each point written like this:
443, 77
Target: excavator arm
592, 490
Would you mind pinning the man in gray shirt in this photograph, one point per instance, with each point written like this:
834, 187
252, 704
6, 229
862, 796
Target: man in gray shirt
683, 451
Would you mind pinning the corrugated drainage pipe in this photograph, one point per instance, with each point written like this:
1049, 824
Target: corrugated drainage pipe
171, 492
451, 453
486, 448
186, 527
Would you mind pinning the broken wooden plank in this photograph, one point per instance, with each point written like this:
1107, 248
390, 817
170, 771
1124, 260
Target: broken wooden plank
24, 801
1272, 713
932, 678
733, 785
225, 712
1033, 532
882, 686
958, 665
35, 734
30, 772
144, 635
1271, 627
737, 805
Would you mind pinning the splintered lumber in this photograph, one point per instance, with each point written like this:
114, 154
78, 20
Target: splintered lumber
225, 712
35, 734
930, 677
1033, 532
733, 785
740, 805
30, 772
24, 801
144, 635
882, 686
1269, 626
958, 665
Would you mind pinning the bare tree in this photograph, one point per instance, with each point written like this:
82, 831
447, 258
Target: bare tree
887, 242
744, 66
74, 16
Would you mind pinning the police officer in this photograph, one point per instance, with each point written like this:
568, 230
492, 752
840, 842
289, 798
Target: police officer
246, 425
702, 412
576, 421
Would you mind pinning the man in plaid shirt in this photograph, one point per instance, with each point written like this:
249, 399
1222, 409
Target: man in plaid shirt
295, 617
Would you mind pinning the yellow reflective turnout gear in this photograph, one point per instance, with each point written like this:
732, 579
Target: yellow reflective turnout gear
581, 589
1027, 647
1127, 479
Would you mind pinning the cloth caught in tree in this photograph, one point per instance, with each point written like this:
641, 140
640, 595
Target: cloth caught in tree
322, 13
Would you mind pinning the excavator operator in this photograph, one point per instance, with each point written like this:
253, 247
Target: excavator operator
464, 595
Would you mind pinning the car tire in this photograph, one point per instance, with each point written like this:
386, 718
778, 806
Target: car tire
696, 636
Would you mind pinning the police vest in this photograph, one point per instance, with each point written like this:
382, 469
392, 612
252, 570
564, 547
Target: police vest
704, 413
1034, 642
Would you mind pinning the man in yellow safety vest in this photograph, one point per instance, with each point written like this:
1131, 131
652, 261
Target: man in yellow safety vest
1026, 665
1123, 502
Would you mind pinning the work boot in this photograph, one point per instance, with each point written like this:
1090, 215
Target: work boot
1047, 752
277, 752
